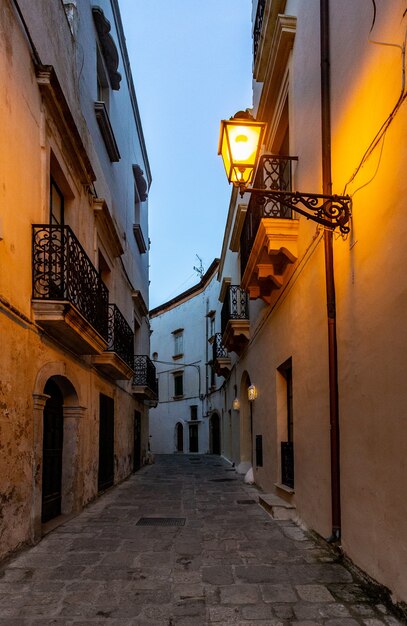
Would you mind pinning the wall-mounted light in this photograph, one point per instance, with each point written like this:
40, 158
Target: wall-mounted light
236, 404
240, 142
252, 393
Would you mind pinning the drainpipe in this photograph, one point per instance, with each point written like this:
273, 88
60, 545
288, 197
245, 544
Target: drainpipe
329, 275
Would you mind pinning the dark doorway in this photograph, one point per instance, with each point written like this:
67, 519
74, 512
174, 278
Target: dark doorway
180, 438
215, 434
106, 442
137, 441
53, 438
193, 438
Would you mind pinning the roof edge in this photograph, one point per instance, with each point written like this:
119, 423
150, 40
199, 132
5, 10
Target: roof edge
185, 295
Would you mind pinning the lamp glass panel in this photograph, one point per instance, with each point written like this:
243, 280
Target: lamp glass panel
244, 141
225, 152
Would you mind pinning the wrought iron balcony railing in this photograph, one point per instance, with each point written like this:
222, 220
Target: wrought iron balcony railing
145, 373
235, 306
287, 463
273, 172
258, 25
120, 336
63, 271
218, 349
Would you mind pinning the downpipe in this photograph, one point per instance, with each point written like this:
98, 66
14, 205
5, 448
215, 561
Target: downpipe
329, 275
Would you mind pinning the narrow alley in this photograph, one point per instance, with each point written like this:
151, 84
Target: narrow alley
182, 542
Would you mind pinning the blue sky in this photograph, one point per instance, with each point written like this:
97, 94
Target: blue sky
191, 63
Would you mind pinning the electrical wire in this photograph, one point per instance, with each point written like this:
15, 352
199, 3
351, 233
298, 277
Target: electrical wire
384, 127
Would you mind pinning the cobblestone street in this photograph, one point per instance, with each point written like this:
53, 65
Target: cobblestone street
226, 562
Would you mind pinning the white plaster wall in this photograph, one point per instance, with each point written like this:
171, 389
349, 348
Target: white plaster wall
191, 316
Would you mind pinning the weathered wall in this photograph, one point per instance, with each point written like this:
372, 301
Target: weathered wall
32, 150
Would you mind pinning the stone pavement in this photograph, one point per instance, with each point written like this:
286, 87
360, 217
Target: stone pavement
230, 563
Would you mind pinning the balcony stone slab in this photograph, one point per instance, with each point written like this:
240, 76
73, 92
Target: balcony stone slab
112, 365
62, 321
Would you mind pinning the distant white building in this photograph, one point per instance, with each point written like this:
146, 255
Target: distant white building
183, 329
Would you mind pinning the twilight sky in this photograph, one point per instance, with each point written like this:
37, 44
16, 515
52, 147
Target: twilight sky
191, 65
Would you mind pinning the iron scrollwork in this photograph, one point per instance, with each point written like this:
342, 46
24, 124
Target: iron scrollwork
258, 25
145, 373
120, 336
219, 350
62, 271
329, 211
235, 306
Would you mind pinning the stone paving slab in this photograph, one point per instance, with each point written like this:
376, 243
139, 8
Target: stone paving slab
231, 563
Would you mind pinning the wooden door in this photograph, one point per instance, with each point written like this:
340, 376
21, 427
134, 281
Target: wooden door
53, 438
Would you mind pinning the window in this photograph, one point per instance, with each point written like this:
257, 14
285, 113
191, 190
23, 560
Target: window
56, 204
211, 326
213, 373
104, 269
287, 447
178, 343
178, 384
259, 450
103, 85
194, 412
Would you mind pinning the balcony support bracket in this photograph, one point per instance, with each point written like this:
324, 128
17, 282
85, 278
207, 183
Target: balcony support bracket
329, 211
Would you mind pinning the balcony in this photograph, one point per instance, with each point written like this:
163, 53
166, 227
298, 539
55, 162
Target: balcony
268, 242
69, 299
235, 319
145, 382
117, 360
220, 357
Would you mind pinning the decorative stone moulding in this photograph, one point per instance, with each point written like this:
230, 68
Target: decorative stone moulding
64, 323
141, 183
108, 46
272, 258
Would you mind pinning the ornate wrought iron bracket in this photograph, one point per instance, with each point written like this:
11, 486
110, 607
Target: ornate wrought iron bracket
329, 211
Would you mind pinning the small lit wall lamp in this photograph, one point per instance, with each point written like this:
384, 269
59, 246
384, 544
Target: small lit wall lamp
252, 393
240, 142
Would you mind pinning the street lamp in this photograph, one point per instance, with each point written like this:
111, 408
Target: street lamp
240, 143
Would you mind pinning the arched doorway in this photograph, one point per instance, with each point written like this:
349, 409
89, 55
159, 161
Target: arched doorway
52, 449
180, 437
58, 483
215, 439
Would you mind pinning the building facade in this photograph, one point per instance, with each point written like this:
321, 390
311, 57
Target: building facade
324, 338
182, 344
75, 377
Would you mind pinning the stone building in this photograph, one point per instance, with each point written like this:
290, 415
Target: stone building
75, 378
324, 338
182, 345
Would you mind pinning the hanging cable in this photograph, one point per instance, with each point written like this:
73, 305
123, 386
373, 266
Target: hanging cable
384, 127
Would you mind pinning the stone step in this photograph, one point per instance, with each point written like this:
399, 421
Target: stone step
277, 507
